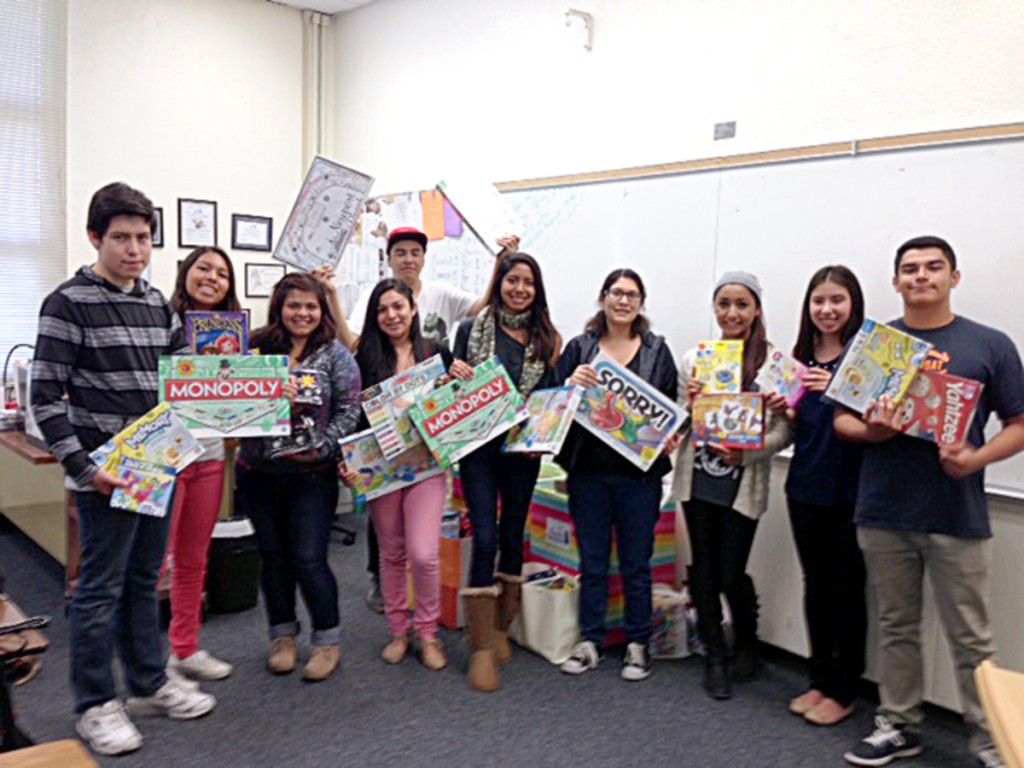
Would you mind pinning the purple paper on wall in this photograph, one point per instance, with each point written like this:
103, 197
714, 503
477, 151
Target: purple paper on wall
452, 221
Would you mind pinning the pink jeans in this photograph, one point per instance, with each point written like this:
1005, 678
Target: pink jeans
408, 525
197, 497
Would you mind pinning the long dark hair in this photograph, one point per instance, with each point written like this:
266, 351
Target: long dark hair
809, 334
599, 323
274, 339
545, 339
375, 353
181, 302
755, 348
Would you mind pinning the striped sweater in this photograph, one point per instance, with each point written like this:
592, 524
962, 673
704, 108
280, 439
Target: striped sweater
99, 345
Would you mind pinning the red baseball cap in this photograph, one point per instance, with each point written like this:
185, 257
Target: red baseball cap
406, 233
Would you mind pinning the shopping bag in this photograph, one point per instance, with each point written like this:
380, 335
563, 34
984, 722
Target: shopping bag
548, 622
672, 621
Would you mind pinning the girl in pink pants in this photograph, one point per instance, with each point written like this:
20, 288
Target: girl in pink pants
407, 521
206, 282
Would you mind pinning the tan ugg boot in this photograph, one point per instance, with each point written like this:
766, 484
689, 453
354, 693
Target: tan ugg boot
481, 605
508, 608
322, 663
284, 655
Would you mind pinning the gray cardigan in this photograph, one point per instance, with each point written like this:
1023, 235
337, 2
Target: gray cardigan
752, 497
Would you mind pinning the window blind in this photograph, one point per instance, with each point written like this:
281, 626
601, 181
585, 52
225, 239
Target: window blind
33, 247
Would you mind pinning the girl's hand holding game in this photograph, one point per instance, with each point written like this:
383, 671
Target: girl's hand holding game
881, 416
325, 276
816, 379
348, 477
460, 369
775, 402
584, 376
105, 483
693, 388
730, 456
291, 390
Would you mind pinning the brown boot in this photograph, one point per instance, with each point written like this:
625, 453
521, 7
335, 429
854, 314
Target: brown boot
508, 609
481, 605
322, 663
284, 655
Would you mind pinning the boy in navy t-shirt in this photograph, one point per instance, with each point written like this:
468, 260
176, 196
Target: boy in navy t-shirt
921, 508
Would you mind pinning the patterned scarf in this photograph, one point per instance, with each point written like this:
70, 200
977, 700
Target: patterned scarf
481, 345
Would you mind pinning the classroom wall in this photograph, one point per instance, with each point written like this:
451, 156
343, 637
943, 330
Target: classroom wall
185, 98
505, 88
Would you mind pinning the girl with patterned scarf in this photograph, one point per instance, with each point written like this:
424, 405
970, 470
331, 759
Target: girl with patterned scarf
516, 327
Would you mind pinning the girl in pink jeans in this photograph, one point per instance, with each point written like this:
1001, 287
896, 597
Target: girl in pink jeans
408, 521
206, 282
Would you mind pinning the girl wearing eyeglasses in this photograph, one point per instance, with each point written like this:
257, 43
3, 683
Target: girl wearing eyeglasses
606, 491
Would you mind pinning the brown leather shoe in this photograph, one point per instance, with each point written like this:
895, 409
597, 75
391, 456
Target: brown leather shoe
284, 655
432, 655
322, 663
395, 651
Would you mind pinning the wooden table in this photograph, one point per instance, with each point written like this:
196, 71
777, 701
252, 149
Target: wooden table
57, 754
19, 443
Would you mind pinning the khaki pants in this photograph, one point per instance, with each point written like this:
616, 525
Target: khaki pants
959, 571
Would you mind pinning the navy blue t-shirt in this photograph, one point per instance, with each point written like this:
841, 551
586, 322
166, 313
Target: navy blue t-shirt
902, 485
824, 469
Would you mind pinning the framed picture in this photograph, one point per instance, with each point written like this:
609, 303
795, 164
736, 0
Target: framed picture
251, 233
197, 223
158, 229
260, 279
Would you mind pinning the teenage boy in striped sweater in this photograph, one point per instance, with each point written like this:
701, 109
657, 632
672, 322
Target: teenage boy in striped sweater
100, 336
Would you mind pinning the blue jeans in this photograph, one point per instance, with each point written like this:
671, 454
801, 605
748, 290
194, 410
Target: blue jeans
598, 504
115, 604
486, 473
292, 515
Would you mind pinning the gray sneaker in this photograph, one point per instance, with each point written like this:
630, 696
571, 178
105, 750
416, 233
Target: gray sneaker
584, 658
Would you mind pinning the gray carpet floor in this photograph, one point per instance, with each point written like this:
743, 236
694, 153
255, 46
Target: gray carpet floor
373, 714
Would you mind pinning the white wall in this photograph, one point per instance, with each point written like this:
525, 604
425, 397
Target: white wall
505, 87
185, 98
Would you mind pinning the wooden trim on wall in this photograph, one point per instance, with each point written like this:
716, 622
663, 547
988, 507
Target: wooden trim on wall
853, 147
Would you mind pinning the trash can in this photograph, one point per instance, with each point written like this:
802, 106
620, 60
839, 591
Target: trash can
232, 583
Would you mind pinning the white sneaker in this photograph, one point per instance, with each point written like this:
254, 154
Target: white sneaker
173, 700
200, 665
107, 729
585, 657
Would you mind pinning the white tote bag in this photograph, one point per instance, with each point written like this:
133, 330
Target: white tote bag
549, 622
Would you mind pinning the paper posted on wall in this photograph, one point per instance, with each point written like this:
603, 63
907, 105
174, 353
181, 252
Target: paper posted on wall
324, 215
483, 209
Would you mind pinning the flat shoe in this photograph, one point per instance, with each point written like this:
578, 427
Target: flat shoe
432, 655
828, 712
395, 651
805, 702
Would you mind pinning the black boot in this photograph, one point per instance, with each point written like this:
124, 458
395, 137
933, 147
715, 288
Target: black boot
716, 679
747, 662
716, 673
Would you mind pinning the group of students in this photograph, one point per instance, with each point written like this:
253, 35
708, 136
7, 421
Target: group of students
859, 492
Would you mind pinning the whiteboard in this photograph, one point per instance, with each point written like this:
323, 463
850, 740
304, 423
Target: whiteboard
783, 222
